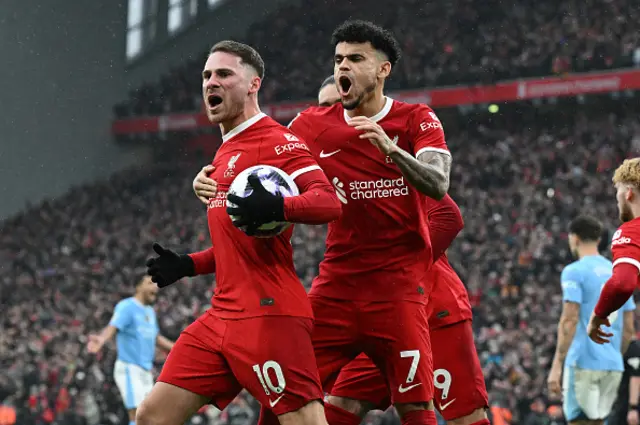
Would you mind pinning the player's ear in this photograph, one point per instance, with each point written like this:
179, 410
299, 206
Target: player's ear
384, 69
254, 84
630, 195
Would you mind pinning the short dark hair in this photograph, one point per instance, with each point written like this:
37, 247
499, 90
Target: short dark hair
358, 31
586, 227
329, 80
138, 277
246, 53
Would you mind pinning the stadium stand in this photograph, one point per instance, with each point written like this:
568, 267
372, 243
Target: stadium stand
462, 41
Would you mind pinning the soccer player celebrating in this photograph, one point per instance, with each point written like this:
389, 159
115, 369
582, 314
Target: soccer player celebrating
461, 395
458, 376
257, 335
135, 326
625, 247
383, 157
591, 372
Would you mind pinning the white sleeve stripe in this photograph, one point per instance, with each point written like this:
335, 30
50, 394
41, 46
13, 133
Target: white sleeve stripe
429, 149
301, 171
627, 260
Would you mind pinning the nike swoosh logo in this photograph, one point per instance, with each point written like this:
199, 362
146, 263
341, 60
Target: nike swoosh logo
403, 390
274, 402
442, 407
327, 155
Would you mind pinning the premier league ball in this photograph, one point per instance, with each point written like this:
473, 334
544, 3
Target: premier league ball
273, 180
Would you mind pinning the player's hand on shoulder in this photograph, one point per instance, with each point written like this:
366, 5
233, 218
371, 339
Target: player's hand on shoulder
204, 187
376, 135
168, 267
260, 207
595, 331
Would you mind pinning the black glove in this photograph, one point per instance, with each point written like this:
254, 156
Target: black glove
169, 266
256, 209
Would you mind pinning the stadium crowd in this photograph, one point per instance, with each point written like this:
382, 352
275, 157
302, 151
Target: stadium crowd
444, 43
519, 178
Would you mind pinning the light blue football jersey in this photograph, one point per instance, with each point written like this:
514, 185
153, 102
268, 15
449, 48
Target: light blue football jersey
582, 282
137, 332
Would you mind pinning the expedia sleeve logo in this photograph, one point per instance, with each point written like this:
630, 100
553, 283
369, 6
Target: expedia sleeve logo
618, 239
290, 147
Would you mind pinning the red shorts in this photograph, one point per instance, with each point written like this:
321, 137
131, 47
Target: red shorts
271, 356
395, 335
458, 377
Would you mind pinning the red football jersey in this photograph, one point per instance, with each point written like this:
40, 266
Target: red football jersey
625, 244
255, 276
449, 301
379, 249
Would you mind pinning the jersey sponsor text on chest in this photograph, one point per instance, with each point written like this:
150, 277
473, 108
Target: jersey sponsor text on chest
370, 189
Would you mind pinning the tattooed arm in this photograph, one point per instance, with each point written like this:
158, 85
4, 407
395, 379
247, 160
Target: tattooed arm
429, 173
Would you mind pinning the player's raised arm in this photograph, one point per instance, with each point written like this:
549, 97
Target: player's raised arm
428, 171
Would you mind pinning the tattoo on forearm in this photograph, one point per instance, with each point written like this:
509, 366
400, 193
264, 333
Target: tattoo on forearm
429, 174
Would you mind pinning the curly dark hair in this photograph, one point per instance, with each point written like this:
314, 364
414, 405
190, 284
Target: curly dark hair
358, 31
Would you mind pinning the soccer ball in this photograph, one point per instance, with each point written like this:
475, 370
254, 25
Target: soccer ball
273, 180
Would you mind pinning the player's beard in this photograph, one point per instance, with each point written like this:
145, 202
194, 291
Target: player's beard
625, 213
370, 88
231, 108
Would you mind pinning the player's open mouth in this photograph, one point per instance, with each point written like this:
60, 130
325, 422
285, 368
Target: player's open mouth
213, 100
344, 84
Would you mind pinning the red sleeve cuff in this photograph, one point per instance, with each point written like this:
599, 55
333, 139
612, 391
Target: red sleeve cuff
204, 262
317, 202
618, 289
